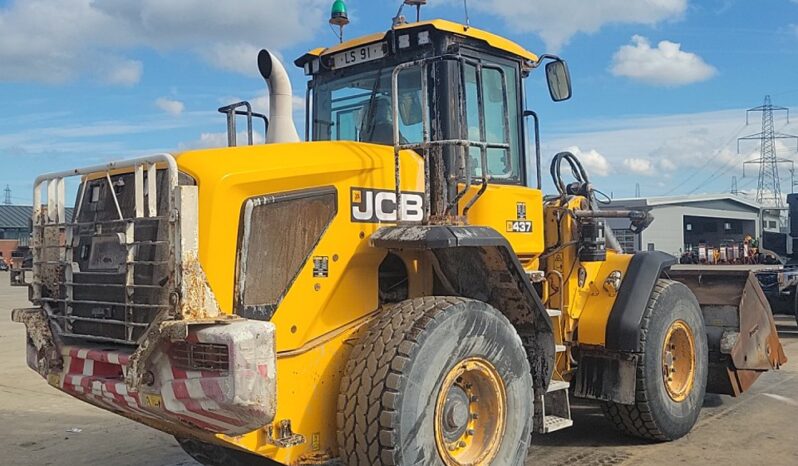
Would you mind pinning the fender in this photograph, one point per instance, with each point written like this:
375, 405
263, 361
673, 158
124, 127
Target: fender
609, 373
623, 326
478, 262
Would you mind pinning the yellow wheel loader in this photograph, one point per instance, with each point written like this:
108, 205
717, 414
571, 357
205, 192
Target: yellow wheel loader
396, 289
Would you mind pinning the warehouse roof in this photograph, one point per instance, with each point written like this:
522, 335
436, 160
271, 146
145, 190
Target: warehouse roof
19, 216
685, 199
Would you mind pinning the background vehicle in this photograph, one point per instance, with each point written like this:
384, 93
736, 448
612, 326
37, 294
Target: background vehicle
397, 291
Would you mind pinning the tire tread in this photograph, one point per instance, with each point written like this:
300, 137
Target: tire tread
637, 419
374, 376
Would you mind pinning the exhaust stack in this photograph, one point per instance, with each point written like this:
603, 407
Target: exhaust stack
281, 122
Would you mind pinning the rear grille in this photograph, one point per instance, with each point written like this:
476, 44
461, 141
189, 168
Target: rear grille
200, 356
105, 278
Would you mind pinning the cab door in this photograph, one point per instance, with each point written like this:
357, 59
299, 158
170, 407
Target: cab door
507, 205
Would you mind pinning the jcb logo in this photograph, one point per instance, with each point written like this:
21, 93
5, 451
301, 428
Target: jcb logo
379, 206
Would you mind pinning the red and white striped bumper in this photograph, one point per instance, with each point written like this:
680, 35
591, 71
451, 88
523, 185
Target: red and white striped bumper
232, 397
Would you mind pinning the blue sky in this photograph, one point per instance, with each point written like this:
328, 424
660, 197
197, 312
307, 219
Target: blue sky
660, 86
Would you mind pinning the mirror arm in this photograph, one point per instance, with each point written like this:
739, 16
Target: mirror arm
536, 120
544, 57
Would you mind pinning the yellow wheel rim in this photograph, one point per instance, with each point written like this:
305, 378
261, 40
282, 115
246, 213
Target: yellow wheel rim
470, 413
678, 361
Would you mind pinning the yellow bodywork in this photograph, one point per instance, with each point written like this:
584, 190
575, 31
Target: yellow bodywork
318, 316
576, 288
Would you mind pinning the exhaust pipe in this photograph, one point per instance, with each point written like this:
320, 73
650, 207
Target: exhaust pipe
281, 122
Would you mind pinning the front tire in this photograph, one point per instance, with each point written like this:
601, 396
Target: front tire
436, 381
671, 371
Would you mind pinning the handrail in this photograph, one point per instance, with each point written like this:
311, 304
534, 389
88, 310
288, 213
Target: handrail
232, 111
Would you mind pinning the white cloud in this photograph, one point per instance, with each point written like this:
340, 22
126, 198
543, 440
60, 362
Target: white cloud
55, 41
61, 135
170, 106
238, 58
556, 21
685, 152
595, 163
667, 165
43, 40
122, 72
639, 166
665, 65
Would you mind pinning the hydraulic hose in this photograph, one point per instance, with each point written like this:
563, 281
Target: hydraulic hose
581, 187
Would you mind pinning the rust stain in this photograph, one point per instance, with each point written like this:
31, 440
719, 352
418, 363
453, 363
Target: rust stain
324, 457
197, 301
41, 336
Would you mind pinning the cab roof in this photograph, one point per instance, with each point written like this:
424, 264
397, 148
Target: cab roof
442, 25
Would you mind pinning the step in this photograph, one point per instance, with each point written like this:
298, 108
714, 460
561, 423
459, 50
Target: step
554, 312
556, 385
553, 408
554, 423
559, 348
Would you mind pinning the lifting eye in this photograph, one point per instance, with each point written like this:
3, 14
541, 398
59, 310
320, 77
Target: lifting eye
613, 282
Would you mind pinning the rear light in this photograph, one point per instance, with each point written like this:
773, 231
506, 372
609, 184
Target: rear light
201, 356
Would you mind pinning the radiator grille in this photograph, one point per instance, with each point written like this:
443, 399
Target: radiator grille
200, 356
278, 234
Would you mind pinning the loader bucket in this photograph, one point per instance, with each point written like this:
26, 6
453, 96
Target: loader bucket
742, 336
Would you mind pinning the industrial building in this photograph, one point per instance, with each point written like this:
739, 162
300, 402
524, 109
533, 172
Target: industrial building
15, 229
681, 223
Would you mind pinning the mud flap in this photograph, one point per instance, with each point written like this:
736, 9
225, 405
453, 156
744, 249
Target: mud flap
742, 336
606, 375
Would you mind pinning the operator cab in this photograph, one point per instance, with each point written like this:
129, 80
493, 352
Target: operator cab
432, 86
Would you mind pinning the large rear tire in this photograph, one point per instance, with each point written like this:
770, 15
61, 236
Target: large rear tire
671, 371
436, 381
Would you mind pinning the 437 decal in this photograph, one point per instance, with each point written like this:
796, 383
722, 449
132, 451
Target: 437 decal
519, 226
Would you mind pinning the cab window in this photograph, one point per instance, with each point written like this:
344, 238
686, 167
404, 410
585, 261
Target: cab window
503, 165
358, 108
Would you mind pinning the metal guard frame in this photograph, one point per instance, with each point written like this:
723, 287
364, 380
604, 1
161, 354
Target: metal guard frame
55, 216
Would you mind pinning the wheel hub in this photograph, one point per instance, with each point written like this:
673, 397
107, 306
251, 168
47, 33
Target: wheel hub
678, 361
456, 414
470, 414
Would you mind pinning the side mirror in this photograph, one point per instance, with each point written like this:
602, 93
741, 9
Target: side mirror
559, 80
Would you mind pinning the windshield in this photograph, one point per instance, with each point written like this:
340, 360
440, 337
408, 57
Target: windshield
358, 108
